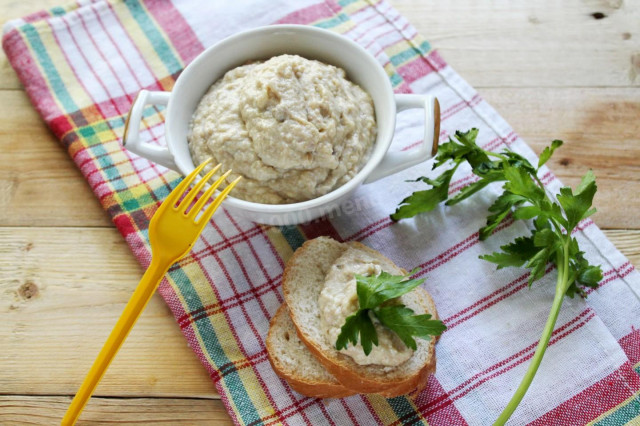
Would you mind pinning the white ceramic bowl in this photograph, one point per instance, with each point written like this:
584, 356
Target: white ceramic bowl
263, 43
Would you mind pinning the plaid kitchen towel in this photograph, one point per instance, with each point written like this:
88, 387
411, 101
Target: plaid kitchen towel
82, 66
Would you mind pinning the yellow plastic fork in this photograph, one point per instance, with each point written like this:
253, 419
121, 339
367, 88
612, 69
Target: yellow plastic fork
173, 230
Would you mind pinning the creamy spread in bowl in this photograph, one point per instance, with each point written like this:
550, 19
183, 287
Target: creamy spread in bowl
268, 42
339, 299
294, 128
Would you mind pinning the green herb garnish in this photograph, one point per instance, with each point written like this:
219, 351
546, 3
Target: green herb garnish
373, 292
524, 197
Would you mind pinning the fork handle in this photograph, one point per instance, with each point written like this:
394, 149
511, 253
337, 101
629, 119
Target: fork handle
132, 311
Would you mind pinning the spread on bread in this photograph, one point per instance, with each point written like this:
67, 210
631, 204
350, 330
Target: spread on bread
300, 348
339, 299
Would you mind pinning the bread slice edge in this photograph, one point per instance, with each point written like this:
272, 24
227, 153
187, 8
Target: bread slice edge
342, 367
312, 387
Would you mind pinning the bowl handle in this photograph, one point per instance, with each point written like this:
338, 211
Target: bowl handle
395, 161
131, 138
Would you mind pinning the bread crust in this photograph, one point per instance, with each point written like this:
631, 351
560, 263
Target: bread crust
300, 383
341, 366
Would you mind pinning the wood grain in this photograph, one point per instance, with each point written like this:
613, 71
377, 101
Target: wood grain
600, 128
61, 291
39, 184
533, 44
502, 44
48, 410
628, 242
50, 277
550, 68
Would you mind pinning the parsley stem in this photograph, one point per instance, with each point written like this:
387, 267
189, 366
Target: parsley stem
495, 154
535, 176
557, 225
561, 288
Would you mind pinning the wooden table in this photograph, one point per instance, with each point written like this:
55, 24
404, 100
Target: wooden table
567, 70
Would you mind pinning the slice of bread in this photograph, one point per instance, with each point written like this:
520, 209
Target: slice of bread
292, 361
302, 283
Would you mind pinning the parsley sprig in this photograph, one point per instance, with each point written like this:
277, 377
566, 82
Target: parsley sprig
376, 297
524, 197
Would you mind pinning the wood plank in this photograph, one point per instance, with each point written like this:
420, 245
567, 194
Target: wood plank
48, 410
534, 44
39, 184
502, 44
600, 128
628, 242
90, 274
61, 292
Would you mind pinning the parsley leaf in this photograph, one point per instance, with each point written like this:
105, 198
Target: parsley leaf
520, 182
538, 264
373, 292
469, 190
457, 148
582, 274
578, 206
500, 209
427, 200
525, 197
515, 254
548, 152
356, 324
406, 325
